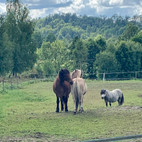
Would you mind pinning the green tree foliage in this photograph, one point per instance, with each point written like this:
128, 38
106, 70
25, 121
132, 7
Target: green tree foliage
94, 47
93, 43
138, 37
93, 50
69, 32
68, 41
78, 53
101, 42
37, 38
20, 28
45, 64
5, 50
106, 63
68, 26
52, 57
130, 31
122, 55
129, 55
50, 38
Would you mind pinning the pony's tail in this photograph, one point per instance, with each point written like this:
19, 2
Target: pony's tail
77, 102
76, 94
121, 100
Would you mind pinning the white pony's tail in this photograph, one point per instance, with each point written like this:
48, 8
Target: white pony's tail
76, 93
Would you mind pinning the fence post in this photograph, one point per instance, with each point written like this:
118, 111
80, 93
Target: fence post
11, 85
3, 85
136, 75
103, 76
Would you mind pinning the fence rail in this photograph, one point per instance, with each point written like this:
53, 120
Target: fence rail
13, 83
10, 83
116, 138
116, 75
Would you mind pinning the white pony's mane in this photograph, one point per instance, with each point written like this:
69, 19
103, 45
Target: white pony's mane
76, 73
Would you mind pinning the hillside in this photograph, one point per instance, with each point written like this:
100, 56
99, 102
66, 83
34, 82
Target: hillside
68, 26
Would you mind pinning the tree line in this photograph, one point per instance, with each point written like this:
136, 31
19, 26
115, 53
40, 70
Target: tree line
43, 46
94, 54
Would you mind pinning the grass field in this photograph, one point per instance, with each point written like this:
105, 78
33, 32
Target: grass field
28, 113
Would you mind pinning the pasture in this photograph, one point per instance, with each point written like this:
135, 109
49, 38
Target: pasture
28, 113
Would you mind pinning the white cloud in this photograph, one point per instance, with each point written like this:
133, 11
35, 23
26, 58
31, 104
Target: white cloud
32, 1
99, 5
72, 8
35, 13
93, 3
63, 1
116, 2
42, 8
137, 10
2, 8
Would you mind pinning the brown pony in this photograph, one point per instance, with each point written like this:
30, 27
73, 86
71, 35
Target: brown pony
62, 88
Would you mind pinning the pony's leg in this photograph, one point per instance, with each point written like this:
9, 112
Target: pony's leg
81, 104
109, 103
62, 104
75, 103
66, 104
75, 108
106, 104
57, 109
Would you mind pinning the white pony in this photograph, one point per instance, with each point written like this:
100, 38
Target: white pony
112, 96
78, 89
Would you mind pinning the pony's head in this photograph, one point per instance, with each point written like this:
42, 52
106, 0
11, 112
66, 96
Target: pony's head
76, 73
64, 75
103, 93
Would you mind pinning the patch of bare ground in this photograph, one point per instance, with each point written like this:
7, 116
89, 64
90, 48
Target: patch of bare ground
130, 108
37, 137
140, 95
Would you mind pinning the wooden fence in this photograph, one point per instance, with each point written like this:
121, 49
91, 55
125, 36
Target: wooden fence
11, 83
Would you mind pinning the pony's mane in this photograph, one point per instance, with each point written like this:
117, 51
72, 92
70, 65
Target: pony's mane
77, 73
62, 73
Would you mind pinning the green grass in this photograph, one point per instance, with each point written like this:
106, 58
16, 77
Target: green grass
29, 113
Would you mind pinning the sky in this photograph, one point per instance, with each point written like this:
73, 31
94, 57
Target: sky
42, 8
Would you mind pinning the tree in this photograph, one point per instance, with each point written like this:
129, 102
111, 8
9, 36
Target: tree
138, 37
45, 65
130, 31
101, 42
93, 50
78, 53
37, 38
106, 63
50, 38
19, 29
122, 54
129, 56
5, 50
52, 57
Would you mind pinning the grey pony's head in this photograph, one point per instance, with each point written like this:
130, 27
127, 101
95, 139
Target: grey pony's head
103, 93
